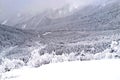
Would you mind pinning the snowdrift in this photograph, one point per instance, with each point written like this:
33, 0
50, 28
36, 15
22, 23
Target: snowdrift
78, 70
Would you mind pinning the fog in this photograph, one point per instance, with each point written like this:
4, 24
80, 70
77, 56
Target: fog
9, 7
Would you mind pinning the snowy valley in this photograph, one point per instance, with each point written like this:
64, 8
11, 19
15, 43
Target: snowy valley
70, 42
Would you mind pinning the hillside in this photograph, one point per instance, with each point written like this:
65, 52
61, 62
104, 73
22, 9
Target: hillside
14, 43
90, 18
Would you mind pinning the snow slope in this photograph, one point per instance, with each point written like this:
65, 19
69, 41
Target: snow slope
86, 70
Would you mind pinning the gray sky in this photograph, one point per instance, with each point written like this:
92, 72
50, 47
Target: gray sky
16, 6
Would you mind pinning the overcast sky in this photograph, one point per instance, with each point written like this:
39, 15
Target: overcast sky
15, 6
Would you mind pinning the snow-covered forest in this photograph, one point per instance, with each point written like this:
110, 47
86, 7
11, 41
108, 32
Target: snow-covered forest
71, 39
36, 60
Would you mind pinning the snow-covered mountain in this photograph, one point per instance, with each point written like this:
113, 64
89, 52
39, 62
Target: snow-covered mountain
62, 35
66, 17
92, 17
15, 42
45, 18
14, 19
50, 13
59, 31
94, 26
11, 36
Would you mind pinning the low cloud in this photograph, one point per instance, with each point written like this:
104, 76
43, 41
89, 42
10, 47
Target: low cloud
33, 6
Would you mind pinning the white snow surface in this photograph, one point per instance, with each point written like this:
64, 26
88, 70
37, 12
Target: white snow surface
76, 70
